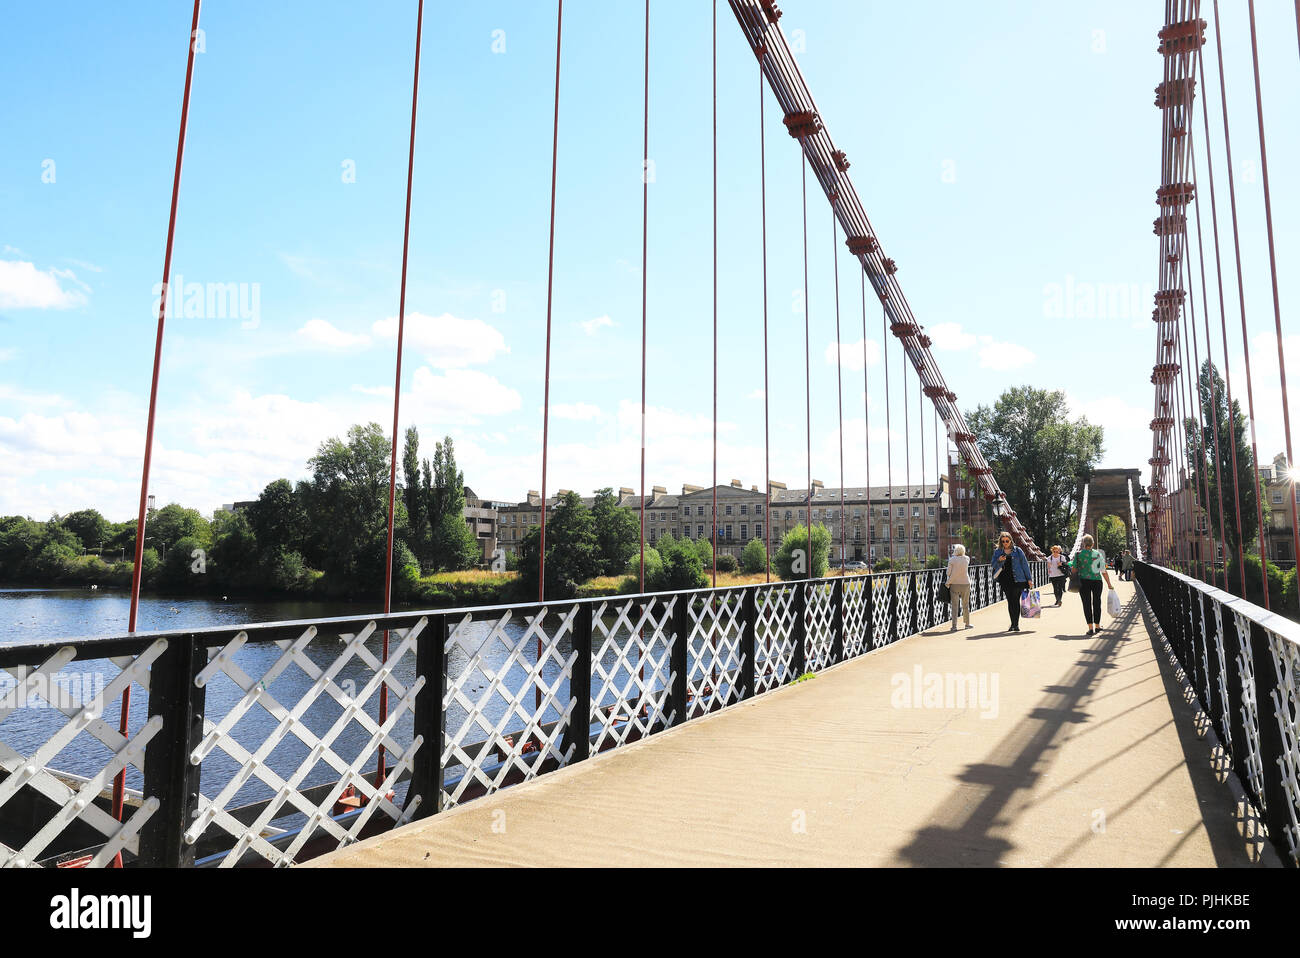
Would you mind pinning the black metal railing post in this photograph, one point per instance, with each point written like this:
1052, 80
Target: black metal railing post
837, 620
577, 734
891, 606
1216, 708
868, 613
430, 718
748, 642
169, 775
800, 630
679, 657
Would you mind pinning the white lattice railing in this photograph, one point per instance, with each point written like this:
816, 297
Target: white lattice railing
269, 744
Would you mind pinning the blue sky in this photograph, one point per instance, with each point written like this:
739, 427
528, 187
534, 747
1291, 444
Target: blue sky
1006, 153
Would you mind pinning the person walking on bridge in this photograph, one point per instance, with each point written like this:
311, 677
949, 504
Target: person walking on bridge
1090, 563
1056, 573
959, 584
1011, 569
1126, 566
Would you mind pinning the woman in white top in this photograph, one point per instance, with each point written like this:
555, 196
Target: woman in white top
1056, 571
959, 584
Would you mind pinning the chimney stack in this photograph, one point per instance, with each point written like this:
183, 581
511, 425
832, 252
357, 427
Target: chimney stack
737, 484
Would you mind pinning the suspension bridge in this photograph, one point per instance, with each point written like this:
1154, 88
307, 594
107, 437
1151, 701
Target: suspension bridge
845, 719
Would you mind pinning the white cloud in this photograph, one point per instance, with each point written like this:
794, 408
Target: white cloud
757, 394
447, 341
592, 326
850, 354
319, 332
1003, 356
23, 286
950, 337
459, 396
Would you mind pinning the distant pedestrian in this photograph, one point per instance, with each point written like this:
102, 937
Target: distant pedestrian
1126, 566
1056, 572
1011, 569
1090, 563
959, 584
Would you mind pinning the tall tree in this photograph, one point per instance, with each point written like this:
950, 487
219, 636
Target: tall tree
452, 543
571, 549
617, 532
347, 502
1112, 535
277, 518
88, 526
411, 493
1037, 455
1204, 455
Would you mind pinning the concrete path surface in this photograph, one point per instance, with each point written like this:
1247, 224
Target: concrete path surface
1073, 750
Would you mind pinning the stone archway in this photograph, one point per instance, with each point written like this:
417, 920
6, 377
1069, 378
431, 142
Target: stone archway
1108, 495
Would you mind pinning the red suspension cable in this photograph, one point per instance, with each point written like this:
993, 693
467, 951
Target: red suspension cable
1241, 294
1272, 264
397, 377
119, 783
839, 376
715, 293
807, 364
645, 213
767, 434
550, 290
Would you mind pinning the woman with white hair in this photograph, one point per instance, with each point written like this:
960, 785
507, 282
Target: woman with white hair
959, 584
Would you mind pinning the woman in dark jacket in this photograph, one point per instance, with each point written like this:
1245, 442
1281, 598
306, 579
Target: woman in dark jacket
1011, 569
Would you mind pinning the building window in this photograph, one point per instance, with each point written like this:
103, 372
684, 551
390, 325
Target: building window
744, 509
728, 510
902, 513
916, 512
728, 530
699, 532
744, 531
788, 515
758, 509
931, 511
758, 530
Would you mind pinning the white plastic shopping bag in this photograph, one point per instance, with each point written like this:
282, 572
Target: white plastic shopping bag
1112, 603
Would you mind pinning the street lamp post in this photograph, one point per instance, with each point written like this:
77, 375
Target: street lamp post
1144, 507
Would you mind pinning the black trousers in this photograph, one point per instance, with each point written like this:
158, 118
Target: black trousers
1090, 593
1058, 586
1013, 601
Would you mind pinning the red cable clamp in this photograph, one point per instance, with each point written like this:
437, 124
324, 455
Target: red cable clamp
805, 123
1170, 297
1164, 372
841, 161
1182, 37
904, 329
925, 341
891, 267
771, 10
963, 437
1170, 224
1174, 194
1175, 93
934, 392
1162, 424
861, 245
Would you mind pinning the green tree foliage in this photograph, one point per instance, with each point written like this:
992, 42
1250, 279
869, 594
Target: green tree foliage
681, 568
1112, 534
347, 500
235, 562
753, 558
705, 549
90, 528
452, 544
278, 519
978, 542
173, 522
1037, 455
571, 550
413, 497
617, 532
791, 560
728, 563
1203, 456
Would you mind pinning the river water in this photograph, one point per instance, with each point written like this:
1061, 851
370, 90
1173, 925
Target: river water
480, 663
